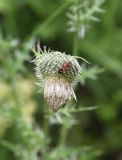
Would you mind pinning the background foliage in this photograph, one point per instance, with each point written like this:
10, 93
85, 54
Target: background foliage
28, 129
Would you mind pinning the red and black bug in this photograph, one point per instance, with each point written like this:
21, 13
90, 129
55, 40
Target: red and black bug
66, 66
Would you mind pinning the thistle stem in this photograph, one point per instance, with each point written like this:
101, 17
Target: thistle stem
75, 39
63, 135
75, 44
46, 125
64, 130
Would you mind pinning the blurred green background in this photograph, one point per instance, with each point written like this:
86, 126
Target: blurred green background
27, 128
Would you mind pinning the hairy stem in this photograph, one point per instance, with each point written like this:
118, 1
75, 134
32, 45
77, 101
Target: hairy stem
75, 39
46, 120
63, 135
75, 44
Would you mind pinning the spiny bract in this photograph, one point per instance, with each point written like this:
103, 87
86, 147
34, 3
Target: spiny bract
56, 73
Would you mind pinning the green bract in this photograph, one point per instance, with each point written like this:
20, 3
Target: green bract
56, 72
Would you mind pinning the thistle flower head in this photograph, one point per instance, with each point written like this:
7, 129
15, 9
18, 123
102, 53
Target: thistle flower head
56, 73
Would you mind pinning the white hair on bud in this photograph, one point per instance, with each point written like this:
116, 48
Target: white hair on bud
57, 92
